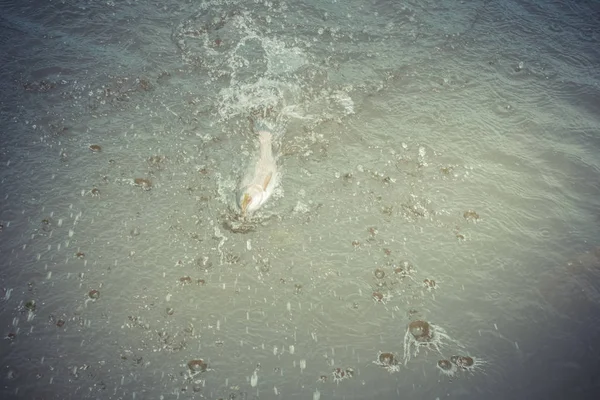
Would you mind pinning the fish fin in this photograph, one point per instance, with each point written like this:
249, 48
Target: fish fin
267, 180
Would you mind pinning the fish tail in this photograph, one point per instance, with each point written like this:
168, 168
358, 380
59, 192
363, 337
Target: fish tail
265, 137
260, 125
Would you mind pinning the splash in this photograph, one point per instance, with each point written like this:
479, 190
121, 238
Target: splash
422, 334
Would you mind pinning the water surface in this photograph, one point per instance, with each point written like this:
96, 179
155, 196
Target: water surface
421, 140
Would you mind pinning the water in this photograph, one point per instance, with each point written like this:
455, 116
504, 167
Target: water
458, 138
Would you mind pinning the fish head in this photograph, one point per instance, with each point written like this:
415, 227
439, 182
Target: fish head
251, 199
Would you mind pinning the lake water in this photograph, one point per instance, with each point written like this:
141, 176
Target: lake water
439, 163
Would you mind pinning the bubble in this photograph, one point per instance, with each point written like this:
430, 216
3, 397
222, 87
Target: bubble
31, 305
429, 284
424, 334
470, 215
519, 66
11, 374
254, 379
378, 297
379, 273
420, 330
46, 225
340, 374
264, 268
197, 366
446, 367
467, 363
387, 360
145, 184
404, 269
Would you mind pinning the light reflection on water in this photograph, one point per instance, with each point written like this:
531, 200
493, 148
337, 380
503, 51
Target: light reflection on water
421, 181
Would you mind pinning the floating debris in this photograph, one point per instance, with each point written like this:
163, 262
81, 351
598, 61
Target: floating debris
184, 280
94, 294
379, 273
80, 255
95, 192
95, 148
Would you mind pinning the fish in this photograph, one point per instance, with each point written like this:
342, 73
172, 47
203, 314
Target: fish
260, 182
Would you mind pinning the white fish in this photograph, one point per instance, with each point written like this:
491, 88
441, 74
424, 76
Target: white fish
258, 185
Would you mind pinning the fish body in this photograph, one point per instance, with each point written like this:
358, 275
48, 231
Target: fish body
258, 185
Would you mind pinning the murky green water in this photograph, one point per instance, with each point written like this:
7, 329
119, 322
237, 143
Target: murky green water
438, 164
